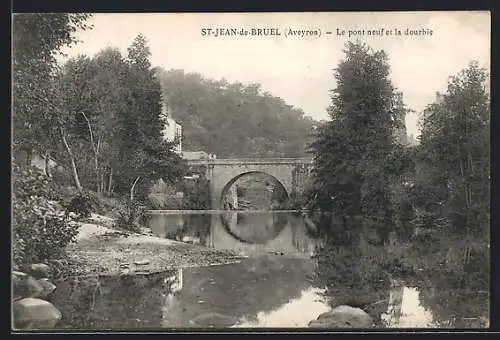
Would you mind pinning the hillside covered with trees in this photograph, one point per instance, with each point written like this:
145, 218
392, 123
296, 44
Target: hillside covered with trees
233, 119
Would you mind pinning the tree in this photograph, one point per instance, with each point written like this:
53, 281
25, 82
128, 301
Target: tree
143, 155
36, 40
454, 156
350, 177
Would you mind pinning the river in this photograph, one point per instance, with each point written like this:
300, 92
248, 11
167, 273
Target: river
274, 286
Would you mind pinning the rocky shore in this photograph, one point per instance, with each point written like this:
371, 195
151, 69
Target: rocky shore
101, 251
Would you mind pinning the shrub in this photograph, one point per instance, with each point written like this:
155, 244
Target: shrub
83, 204
130, 216
196, 194
41, 229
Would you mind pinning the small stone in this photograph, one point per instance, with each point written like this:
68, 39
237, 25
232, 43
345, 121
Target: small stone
40, 270
141, 262
31, 313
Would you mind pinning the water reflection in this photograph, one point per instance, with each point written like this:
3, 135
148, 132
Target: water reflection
256, 228
398, 285
249, 233
278, 285
296, 313
241, 294
113, 302
405, 310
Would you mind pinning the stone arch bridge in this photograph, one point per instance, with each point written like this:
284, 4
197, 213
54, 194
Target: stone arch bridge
291, 173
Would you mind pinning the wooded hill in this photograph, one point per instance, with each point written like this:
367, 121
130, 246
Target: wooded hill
233, 119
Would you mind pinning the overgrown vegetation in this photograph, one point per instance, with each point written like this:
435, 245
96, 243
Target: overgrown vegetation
83, 204
196, 194
130, 216
41, 229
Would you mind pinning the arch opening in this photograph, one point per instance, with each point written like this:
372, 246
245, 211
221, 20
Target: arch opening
253, 190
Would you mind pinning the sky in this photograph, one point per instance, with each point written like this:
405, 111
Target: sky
299, 69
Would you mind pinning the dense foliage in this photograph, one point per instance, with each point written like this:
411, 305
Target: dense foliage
130, 215
434, 197
98, 117
354, 152
451, 195
232, 119
40, 226
196, 194
83, 205
36, 39
453, 157
115, 121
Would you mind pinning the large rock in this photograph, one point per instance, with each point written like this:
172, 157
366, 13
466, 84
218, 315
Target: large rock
48, 287
40, 270
25, 286
343, 317
31, 313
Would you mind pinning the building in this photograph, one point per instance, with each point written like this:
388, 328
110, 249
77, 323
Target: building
194, 155
172, 130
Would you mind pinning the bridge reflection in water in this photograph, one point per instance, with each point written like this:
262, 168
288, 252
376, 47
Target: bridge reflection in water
274, 281
248, 233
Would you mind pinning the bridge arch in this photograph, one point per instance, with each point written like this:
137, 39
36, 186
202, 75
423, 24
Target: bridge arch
222, 172
228, 185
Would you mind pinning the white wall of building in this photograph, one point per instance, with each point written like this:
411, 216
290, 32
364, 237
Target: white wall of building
172, 131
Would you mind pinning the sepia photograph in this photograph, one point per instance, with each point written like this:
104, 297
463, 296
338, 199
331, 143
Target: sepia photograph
321, 171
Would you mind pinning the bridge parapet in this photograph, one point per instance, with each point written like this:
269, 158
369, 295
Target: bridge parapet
250, 161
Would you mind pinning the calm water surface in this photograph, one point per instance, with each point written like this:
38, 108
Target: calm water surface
272, 287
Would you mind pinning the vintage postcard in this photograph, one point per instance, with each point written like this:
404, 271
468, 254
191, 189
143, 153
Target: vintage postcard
316, 170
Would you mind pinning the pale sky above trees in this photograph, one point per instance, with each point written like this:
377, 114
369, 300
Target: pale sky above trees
300, 69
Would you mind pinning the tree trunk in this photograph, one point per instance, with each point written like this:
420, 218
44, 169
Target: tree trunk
101, 183
72, 162
95, 148
47, 164
29, 154
133, 187
110, 181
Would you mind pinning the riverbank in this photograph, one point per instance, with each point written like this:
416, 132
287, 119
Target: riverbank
102, 250
217, 212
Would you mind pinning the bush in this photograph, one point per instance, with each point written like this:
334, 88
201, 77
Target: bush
196, 194
41, 229
83, 204
130, 216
